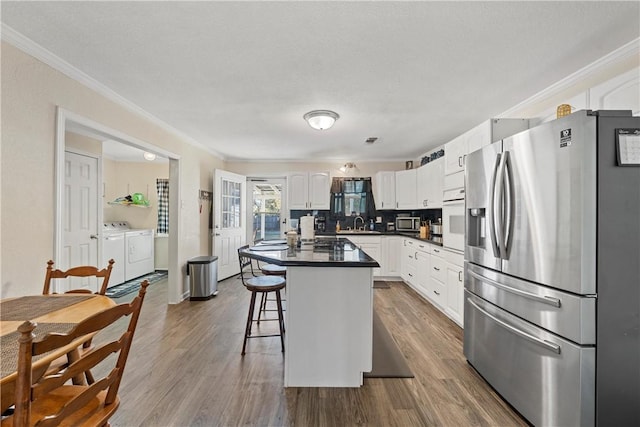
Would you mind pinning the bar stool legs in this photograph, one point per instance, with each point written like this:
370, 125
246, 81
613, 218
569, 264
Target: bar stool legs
251, 314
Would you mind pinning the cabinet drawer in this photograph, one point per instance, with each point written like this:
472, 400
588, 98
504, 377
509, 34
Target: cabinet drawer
438, 292
436, 250
438, 268
454, 258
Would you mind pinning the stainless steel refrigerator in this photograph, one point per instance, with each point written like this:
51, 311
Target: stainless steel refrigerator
552, 269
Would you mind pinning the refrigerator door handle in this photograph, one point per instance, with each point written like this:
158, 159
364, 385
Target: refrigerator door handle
540, 298
492, 209
542, 343
498, 206
509, 205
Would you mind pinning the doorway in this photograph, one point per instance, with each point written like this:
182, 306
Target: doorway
267, 206
71, 122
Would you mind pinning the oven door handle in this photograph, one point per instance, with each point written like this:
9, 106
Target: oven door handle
542, 343
540, 298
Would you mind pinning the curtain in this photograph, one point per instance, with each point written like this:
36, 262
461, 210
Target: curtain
341, 188
162, 185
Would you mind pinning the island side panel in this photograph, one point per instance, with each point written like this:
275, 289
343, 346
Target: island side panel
328, 326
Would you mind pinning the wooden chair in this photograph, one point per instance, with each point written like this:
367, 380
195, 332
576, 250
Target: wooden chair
262, 285
47, 401
81, 271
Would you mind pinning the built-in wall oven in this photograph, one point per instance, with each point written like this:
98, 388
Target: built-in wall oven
453, 219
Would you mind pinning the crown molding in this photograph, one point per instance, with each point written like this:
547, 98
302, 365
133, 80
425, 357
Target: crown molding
623, 53
31, 48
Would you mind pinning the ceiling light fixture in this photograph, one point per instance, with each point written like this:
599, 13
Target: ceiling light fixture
149, 156
347, 167
321, 119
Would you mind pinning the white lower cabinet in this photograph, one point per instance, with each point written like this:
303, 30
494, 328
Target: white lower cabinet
436, 274
423, 265
408, 267
437, 290
371, 246
455, 286
390, 254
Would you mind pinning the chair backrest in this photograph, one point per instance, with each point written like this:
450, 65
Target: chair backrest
81, 271
244, 262
26, 393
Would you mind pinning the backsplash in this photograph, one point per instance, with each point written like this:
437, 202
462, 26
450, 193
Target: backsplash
432, 215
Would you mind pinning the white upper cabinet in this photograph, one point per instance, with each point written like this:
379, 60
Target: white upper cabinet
620, 93
319, 190
492, 130
308, 190
385, 190
454, 152
430, 183
406, 189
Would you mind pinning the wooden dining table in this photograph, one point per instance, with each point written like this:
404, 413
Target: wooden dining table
52, 313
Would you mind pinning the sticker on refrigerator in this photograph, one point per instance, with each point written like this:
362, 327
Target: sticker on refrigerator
565, 138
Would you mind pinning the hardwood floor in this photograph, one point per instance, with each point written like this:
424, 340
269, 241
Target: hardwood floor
185, 369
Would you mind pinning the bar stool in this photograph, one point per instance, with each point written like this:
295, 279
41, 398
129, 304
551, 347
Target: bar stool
270, 270
262, 285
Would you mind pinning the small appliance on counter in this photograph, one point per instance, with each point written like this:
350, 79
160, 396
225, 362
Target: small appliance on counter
391, 226
435, 230
408, 223
321, 223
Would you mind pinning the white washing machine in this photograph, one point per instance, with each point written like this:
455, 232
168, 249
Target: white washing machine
139, 245
131, 249
113, 248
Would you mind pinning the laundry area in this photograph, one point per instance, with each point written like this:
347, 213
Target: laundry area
134, 234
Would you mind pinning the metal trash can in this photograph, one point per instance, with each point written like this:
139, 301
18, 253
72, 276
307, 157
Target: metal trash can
203, 277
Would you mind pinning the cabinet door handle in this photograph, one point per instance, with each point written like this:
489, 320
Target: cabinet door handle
460, 276
436, 292
410, 275
460, 161
436, 251
436, 268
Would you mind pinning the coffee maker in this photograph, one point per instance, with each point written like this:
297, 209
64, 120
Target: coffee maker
321, 223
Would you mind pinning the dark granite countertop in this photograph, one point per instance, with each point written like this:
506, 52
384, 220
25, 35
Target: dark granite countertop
328, 251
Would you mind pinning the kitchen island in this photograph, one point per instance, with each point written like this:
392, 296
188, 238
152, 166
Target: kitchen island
329, 309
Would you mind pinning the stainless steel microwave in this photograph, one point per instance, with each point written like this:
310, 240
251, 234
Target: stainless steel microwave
408, 223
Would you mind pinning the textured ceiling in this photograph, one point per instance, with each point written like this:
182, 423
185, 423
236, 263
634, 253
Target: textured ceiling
238, 76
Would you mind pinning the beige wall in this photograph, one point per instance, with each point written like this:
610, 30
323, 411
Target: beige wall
82, 143
125, 178
31, 91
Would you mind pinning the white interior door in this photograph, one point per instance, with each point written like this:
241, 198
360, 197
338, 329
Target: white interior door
80, 216
230, 220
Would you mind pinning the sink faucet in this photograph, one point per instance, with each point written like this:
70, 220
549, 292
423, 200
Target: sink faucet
355, 221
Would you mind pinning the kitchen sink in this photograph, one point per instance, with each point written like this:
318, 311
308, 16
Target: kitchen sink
357, 232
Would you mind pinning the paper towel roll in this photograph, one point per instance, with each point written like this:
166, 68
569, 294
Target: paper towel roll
306, 228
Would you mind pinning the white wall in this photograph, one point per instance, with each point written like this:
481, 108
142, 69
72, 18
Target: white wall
31, 91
